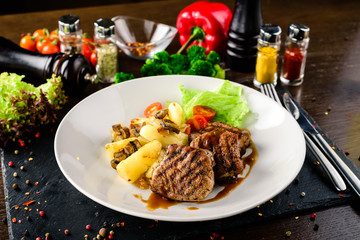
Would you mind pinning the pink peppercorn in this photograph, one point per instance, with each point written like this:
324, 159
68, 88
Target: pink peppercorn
42, 213
11, 164
110, 236
22, 144
37, 134
313, 216
38, 238
88, 227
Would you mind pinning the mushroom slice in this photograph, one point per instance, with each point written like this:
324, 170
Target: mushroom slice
120, 132
161, 113
169, 125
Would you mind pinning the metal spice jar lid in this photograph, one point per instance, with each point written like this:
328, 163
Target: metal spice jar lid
298, 31
104, 28
270, 33
69, 24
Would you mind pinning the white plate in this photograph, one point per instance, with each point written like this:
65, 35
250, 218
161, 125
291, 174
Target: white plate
84, 131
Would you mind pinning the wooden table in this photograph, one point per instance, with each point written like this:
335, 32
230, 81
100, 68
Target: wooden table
332, 81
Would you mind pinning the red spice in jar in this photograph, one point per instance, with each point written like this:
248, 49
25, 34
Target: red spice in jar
293, 59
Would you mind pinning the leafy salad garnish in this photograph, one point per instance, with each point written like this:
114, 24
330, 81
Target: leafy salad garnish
226, 100
24, 107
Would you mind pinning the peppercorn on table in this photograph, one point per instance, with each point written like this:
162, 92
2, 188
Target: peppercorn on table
38, 201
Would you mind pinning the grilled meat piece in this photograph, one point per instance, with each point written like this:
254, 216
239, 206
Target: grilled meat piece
185, 174
228, 145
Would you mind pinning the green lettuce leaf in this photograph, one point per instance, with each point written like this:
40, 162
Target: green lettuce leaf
226, 100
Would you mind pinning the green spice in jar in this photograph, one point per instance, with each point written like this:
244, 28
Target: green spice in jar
106, 50
107, 62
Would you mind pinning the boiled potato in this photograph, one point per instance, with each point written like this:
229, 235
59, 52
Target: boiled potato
139, 162
114, 147
175, 113
155, 164
151, 133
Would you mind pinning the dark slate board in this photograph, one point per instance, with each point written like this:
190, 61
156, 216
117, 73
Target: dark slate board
67, 208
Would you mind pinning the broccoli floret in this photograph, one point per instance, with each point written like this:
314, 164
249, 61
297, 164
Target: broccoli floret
202, 68
213, 57
179, 64
161, 57
153, 69
121, 77
196, 52
219, 72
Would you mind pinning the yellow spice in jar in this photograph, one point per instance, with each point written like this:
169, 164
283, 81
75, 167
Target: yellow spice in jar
266, 64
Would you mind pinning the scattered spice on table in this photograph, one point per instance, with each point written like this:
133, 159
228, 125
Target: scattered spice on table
67, 232
302, 194
316, 227
103, 232
42, 213
15, 186
11, 164
288, 234
313, 216
28, 203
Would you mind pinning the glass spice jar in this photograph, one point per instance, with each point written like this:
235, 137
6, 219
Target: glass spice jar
268, 55
70, 34
294, 59
106, 50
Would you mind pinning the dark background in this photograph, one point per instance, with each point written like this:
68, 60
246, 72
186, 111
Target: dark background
22, 6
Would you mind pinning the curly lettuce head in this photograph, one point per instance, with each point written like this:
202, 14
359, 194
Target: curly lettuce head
24, 107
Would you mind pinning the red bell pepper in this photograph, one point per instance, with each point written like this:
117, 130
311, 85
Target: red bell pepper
212, 18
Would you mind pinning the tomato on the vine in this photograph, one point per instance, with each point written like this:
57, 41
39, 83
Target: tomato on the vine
205, 111
40, 33
28, 42
152, 108
54, 36
197, 122
88, 46
41, 43
93, 59
50, 48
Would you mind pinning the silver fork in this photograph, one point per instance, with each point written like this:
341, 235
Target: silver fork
335, 177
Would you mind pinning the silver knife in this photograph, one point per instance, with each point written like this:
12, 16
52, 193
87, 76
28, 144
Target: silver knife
308, 129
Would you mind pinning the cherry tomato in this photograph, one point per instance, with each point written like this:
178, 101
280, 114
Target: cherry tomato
41, 43
28, 42
197, 122
206, 112
40, 33
50, 48
152, 108
188, 130
93, 59
88, 46
54, 36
